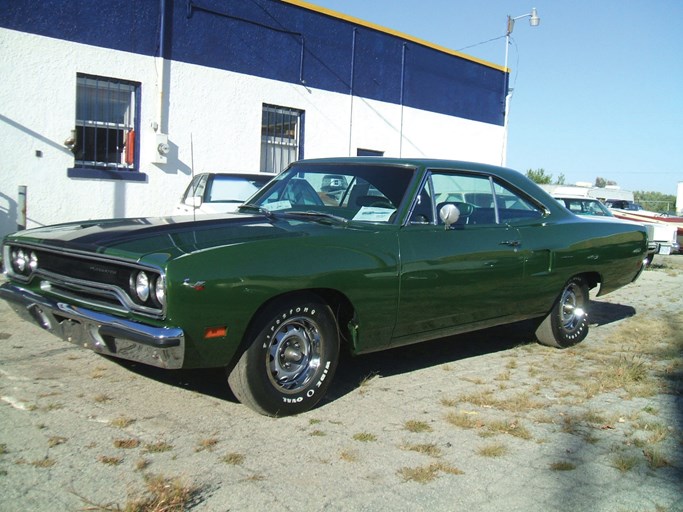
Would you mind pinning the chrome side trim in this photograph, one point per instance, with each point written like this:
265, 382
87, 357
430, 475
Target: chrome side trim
61, 285
163, 347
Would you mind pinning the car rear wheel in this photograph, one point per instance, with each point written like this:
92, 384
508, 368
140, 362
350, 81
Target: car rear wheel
291, 357
567, 322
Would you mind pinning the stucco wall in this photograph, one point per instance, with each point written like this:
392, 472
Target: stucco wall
218, 111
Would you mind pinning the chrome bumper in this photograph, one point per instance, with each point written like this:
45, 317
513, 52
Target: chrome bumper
109, 335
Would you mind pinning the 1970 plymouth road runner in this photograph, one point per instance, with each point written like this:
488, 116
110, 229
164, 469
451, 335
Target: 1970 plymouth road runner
361, 253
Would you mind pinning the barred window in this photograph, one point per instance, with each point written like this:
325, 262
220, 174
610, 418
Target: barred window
280, 136
106, 123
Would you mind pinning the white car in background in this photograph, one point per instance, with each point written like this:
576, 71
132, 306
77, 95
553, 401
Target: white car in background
668, 230
211, 192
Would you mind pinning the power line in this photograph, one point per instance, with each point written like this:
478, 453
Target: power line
479, 44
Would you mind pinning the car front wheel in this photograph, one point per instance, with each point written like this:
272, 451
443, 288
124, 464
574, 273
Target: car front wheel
567, 322
291, 357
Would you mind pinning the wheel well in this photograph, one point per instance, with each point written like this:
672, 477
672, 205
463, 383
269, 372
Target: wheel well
340, 305
592, 279
343, 311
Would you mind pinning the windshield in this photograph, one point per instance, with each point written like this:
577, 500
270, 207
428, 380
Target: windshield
233, 189
368, 193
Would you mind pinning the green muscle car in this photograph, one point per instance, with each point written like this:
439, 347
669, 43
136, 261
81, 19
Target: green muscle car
362, 254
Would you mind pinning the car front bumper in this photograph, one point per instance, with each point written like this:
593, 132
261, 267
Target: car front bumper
163, 347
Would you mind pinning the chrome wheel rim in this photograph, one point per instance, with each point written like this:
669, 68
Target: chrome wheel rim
294, 354
572, 310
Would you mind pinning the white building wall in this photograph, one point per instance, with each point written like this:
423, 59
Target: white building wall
38, 97
431, 135
213, 120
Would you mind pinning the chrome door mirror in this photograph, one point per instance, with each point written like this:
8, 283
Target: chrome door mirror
449, 214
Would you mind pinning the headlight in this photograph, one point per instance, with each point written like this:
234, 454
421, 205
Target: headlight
19, 261
141, 286
160, 290
22, 261
33, 262
148, 289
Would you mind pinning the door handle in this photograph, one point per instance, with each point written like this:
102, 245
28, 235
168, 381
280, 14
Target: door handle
511, 243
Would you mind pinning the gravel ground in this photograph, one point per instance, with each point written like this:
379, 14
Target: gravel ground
483, 421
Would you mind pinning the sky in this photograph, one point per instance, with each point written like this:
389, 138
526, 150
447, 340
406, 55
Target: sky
598, 84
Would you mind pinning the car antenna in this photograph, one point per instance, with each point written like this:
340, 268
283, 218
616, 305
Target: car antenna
194, 210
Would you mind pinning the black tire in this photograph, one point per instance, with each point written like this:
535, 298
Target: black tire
290, 359
567, 322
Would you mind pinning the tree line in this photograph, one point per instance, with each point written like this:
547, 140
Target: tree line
654, 201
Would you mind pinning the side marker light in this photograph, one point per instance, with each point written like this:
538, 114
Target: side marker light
215, 332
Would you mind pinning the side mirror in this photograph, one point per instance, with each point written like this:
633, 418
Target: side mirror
449, 214
194, 201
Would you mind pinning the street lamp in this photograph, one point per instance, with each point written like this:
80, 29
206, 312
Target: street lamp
534, 21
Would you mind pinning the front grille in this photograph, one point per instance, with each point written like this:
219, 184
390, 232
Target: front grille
89, 280
101, 297
87, 270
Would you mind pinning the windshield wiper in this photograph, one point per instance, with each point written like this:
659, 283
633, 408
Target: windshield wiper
260, 209
326, 218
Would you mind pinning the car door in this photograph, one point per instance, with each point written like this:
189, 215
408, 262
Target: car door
465, 274
539, 239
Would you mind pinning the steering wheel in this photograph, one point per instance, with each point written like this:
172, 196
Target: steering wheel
382, 204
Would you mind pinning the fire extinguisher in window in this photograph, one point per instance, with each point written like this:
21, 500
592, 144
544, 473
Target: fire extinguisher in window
130, 147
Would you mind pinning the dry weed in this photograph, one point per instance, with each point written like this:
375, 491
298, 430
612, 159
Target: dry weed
430, 449
425, 474
492, 450
416, 426
364, 437
162, 494
126, 443
234, 459
158, 447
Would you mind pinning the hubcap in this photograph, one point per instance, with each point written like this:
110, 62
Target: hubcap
294, 354
571, 311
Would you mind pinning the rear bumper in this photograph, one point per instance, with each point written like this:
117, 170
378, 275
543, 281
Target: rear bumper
668, 248
162, 347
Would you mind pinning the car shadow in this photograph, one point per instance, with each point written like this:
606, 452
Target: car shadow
353, 370
603, 313
206, 381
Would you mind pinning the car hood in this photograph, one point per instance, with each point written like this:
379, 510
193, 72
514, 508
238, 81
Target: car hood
164, 237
